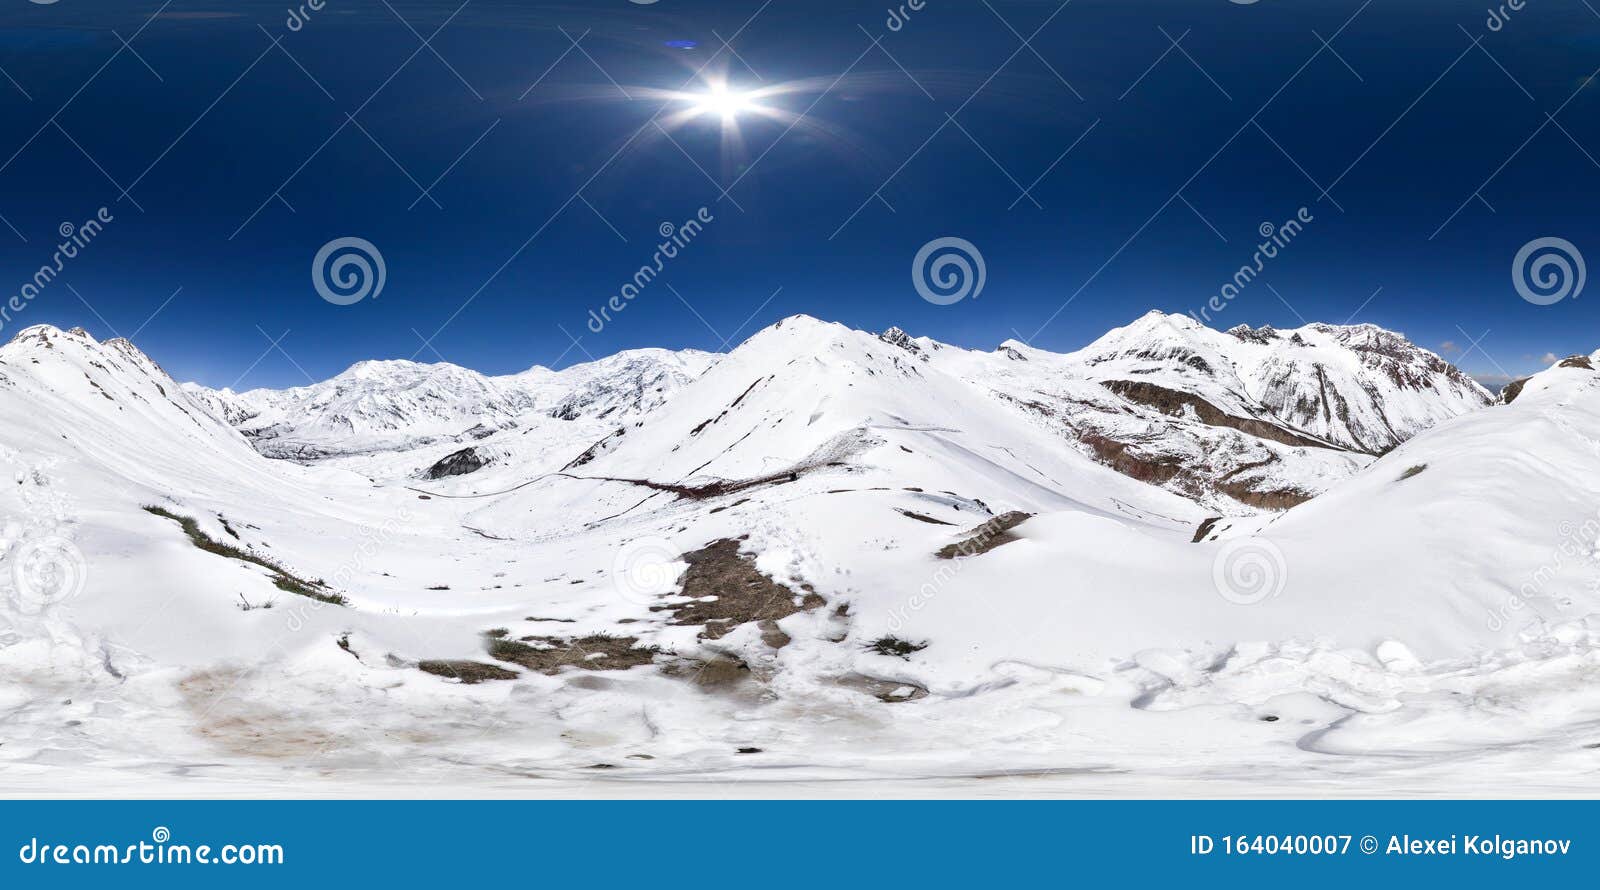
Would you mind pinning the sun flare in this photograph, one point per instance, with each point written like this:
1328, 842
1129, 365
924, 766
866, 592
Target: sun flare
723, 102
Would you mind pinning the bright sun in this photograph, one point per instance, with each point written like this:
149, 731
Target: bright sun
721, 101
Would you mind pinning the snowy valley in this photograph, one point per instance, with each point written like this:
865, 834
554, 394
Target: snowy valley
1319, 560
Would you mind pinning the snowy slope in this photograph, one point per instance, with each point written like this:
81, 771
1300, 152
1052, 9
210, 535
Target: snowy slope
793, 531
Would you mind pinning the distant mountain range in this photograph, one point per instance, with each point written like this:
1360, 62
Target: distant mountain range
1241, 420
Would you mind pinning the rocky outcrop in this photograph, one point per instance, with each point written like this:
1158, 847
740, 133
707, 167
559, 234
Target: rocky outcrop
463, 462
1175, 403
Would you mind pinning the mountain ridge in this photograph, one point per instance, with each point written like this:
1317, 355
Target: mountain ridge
1242, 420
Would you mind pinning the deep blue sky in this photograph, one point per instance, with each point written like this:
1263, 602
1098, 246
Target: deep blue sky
796, 190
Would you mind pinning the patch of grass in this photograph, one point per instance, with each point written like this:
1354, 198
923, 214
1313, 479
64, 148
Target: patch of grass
468, 672
597, 652
283, 579
498, 633
895, 647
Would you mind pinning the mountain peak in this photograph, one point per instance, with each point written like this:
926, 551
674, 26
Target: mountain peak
41, 332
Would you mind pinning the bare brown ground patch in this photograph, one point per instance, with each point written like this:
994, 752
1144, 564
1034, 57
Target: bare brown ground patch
225, 717
986, 537
551, 655
468, 672
887, 691
724, 589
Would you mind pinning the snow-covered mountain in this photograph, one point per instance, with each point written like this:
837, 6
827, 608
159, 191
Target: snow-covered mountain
1241, 421
828, 554
1358, 387
399, 405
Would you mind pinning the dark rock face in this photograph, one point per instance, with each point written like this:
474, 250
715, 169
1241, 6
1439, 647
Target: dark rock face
903, 340
1172, 402
461, 463
1263, 335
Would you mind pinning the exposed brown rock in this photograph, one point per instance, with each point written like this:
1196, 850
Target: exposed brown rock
986, 537
1120, 456
551, 655
724, 589
1277, 499
1172, 402
890, 691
